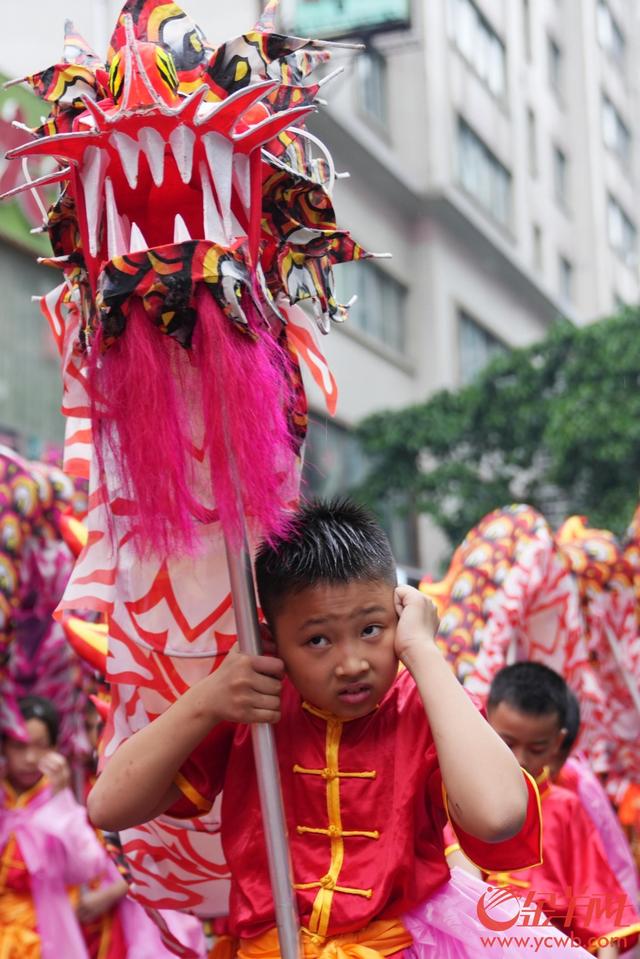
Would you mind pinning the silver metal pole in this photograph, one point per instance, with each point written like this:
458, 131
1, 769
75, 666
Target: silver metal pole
264, 751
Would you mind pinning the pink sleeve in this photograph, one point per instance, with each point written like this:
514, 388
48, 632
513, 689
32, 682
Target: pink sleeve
71, 845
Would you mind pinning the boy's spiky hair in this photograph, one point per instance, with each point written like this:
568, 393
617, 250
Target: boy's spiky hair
334, 541
531, 688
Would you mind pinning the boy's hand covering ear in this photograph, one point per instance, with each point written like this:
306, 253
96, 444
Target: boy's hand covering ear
417, 622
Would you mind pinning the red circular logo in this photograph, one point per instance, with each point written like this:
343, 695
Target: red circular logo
498, 909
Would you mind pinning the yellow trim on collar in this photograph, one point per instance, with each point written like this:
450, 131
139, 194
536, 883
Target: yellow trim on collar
331, 717
20, 800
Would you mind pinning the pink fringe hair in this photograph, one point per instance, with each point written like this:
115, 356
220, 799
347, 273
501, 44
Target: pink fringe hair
190, 436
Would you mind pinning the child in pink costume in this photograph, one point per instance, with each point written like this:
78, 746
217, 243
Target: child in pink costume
46, 844
115, 926
370, 755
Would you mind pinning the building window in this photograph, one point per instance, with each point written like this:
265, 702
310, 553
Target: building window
479, 44
532, 142
537, 247
555, 66
477, 347
482, 175
565, 278
615, 132
526, 28
380, 308
610, 36
623, 235
372, 84
560, 177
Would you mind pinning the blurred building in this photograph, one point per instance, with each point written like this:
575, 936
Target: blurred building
493, 146
494, 151
30, 386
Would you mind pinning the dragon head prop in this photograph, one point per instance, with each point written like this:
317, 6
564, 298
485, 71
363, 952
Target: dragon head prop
193, 215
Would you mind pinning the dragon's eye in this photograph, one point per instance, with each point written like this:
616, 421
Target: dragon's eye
167, 69
116, 77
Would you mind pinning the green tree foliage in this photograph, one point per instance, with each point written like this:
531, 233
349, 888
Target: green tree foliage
556, 425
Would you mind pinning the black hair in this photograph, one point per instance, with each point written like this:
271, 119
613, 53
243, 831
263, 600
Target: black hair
531, 688
37, 707
333, 541
571, 723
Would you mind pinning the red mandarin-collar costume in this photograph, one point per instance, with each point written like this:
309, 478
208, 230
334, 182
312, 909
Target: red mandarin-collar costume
574, 884
365, 809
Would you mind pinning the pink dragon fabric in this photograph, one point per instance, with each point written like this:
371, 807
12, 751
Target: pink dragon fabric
35, 565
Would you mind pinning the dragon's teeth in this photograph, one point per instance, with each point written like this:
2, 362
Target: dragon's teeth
153, 146
219, 153
116, 242
213, 228
92, 176
129, 153
180, 230
181, 141
137, 242
237, 229
242, 179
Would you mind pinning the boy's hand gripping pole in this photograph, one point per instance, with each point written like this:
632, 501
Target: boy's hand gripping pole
246, 613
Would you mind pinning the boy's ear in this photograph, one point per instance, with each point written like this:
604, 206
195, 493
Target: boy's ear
560, 738
268, 642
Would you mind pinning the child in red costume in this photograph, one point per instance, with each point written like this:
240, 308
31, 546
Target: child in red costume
370, 756
575, 884
574, 773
